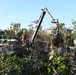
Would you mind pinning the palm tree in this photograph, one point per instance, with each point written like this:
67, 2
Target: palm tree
15, 27
74, 28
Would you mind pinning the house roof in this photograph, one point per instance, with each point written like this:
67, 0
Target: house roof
1, 30
52, 28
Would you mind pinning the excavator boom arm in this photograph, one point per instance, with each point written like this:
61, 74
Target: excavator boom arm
55, 21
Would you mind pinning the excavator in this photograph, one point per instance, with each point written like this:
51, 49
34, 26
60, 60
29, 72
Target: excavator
54, 21
18, 49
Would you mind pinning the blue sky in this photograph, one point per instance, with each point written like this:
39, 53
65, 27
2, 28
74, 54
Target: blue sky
25, 11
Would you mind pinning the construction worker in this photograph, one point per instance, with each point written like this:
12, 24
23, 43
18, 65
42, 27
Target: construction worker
24, 38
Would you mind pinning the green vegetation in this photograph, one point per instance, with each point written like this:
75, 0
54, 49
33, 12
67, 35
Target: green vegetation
38, 66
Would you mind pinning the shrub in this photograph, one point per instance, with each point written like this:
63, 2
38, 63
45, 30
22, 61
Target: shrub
37, 66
